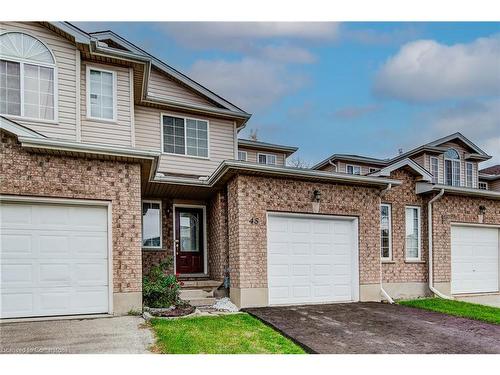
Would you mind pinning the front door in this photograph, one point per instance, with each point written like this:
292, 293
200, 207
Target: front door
189, 240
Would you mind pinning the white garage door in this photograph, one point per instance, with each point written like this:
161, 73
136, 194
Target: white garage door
312, 259
54, 260
474, 259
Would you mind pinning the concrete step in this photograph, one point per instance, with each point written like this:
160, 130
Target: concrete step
200, 284
187, 294
209, 301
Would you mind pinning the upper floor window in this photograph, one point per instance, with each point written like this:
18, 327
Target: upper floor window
242, 155
452, 167
435, 169
268, 159
27, 77
185, 136
101, 94
468, 174
483, 185
353, 169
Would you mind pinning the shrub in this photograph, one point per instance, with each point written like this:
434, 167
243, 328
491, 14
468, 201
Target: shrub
160, 289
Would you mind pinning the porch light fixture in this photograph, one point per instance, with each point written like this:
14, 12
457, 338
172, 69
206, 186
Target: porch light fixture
317, 196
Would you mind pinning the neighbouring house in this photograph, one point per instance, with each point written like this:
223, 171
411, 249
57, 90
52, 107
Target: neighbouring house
112, 161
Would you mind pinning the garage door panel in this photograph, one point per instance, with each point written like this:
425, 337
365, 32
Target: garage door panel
320, 258
474, 259
54, 260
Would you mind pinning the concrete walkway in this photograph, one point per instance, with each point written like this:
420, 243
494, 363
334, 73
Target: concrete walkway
371, 327
485, 299
125, 334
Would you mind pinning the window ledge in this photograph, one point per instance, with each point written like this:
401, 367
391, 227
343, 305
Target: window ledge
415, 261
153, 249
101, 120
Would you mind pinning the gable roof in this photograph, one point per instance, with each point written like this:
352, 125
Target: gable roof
131, 51
165, 68
433, 147
266, 146
385, 172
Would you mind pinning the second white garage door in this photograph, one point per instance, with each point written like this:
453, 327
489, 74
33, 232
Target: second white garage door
54, 259
312, 259
474, 259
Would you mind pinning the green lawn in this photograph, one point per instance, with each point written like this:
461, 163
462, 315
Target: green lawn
227, 334
457, 308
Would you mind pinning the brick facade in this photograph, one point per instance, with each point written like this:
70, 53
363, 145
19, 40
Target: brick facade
251, 197
39, 175
456, 209
398, 270
217, 233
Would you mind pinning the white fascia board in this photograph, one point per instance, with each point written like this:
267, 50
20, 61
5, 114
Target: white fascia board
55, 144
17, 129
241, 166
385, 172
424, 187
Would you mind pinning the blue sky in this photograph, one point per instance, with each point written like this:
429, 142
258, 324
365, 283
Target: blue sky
363, 88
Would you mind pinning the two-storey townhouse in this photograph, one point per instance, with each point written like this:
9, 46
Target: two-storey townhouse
441, 190
112, 161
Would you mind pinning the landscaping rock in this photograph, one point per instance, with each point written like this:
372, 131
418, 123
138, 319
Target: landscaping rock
225, 304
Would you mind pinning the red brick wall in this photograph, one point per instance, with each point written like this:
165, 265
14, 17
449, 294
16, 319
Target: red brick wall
251, 196
217, 233
456, 209
399, 270
30, 174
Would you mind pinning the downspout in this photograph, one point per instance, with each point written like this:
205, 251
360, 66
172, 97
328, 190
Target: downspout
382, 290
333, 164
429, 230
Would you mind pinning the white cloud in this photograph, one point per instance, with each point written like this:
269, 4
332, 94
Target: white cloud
236, 35
250, 83
479, 121
426, 70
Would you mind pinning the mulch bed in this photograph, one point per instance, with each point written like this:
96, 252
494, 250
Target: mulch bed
172, 312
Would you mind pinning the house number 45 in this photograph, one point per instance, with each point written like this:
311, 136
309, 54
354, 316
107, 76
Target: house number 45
254, 220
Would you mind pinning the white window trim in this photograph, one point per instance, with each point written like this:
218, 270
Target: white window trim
21, 77
390, 232
467, 175
419, 238
161, 225
266, 155
243, 152
185, 155
87, 87
353, 166
430, 163
459, 160
485, 184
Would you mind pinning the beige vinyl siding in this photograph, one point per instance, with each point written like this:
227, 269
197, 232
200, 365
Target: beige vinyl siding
252, 155
365, 169
221, 143
95, 131
494, 185
65, 54
163, 86
329, 168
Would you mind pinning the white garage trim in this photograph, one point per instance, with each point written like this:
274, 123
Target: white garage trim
354, 252
78, 202
463, 291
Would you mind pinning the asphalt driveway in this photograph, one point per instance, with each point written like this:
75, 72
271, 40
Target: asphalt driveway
371, 327
125, 334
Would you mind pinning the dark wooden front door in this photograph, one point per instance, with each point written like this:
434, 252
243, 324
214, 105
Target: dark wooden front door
189, 240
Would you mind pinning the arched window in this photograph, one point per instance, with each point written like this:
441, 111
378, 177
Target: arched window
452, 167
27, 77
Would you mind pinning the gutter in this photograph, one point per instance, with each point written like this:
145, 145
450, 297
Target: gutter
227, 165
429, 229
382, 290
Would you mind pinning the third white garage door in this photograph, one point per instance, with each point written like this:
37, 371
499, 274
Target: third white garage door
312, 259
474, 259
